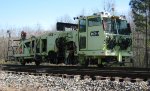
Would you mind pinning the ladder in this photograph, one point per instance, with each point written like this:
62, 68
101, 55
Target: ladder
11, 48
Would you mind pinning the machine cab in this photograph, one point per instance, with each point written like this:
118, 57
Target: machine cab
102, 34
91, 34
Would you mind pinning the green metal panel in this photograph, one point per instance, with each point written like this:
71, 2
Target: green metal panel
95, 37
95, 42
27, 51
51, 38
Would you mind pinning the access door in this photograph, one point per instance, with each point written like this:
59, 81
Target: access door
82, 35
95, 34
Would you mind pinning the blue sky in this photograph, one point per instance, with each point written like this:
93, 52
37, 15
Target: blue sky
19, 13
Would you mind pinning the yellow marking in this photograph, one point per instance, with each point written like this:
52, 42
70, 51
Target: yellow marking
91, 17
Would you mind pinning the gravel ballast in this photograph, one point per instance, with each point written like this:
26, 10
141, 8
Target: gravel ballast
23, 82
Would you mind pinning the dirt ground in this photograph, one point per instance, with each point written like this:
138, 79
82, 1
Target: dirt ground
14, 89
8, 89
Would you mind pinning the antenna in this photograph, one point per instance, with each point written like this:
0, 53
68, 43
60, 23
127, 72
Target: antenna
113, 9
104, 5
109, 6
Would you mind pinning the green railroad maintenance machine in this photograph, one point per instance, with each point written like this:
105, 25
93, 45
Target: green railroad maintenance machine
101, 39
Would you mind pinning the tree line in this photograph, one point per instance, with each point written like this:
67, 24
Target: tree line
141, 34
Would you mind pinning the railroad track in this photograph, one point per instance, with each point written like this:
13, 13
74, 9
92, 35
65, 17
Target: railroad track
122, 73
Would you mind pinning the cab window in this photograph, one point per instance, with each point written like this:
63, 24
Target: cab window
82, 25
96, 21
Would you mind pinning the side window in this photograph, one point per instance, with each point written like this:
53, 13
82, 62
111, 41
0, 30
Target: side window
82, 43
38, 46
96, 21
44, 45
82, 25
27, 44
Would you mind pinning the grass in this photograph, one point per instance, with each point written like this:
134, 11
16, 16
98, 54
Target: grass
2, 61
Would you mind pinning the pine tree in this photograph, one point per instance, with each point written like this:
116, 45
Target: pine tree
141, 13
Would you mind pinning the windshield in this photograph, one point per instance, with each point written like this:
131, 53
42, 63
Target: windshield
116, 26
109, 25
122, 27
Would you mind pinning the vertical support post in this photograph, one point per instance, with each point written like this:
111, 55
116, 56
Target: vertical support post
8, 48
99, 61
120, 57
81, 59
146, 51
148, 29
35, 44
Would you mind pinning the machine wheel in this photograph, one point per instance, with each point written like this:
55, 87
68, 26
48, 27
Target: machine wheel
52, 57
37, 63
76, 60
85, 63
37, 59
60, 57
100, 65
71, 58
22, 61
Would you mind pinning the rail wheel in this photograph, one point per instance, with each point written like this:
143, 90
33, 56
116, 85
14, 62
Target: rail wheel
52, 57
60, 57
22, 61
71, 58
37, 63
100, 63
76, 60
84, 62
37, 60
